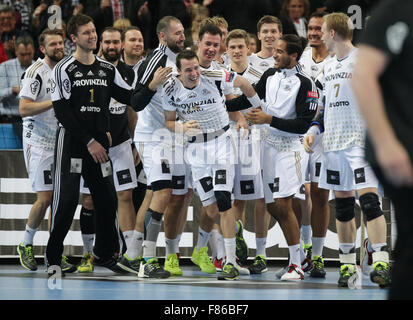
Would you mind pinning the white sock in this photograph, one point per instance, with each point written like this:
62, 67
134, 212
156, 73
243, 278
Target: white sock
149, 250
306, 232
318, 245
213, 242
28, 235
230, 249
203, 238
377, 246
170, 245
221, 247
178, 240
135, 248
302, 253
346, 247
261, 244
88, 241
295, 254
127, 235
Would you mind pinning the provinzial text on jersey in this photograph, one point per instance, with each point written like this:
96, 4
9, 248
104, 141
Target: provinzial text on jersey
193, 104
339, 75
90, 82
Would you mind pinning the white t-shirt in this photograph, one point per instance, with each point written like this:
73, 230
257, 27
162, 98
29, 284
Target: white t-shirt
39, 130
260, 64
310, 66
203, 103
343, 123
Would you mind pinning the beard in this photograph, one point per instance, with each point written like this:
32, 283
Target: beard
111, 56
172, 45
57, 56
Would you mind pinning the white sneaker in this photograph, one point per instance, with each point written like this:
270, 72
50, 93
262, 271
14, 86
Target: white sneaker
242, 270
294, 273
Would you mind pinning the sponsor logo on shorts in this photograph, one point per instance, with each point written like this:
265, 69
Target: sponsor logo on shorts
221, 177
359, 175
124, 176
178, 182
333, 177
247, 187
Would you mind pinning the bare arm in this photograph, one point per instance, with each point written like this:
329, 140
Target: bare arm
28, 107
391, 155
190, 128
245, 86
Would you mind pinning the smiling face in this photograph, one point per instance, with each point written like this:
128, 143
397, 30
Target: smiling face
314, 33
237, 50
268, 34
190, 72
86, 37
133, 44
174, 37
282, 59
111, 45
208, 48
295, 9
53, 47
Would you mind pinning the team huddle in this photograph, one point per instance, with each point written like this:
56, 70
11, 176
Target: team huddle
280, 127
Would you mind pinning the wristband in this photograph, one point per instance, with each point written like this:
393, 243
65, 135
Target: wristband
314, 130
90, 141
255, 100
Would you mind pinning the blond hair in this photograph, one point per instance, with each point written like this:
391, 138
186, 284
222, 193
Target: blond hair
341, 24
237, 34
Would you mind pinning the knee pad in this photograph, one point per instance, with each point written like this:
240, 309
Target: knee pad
223, 200
370, 205
87, 222
345, 209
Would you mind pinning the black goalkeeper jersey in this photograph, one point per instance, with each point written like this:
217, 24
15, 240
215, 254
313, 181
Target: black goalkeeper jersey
81, 95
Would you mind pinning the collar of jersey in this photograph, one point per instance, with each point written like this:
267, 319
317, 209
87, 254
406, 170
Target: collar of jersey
168, 52
292, 71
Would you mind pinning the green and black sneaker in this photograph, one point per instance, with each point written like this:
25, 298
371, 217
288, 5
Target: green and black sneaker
66, 266
130, 265
229, 272
318, 268
26, 255
346, 271
259, 266
152, 269
381, 274
241, 244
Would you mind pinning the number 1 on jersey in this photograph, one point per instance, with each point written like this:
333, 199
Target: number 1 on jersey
92, 95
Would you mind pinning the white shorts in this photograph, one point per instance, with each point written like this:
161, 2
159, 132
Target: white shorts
314, 163
248, 179
346, 170
212, 166
124, 172
161, 162
39, 164
283, 173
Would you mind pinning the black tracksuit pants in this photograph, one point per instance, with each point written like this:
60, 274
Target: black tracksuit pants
72, 159
402, 284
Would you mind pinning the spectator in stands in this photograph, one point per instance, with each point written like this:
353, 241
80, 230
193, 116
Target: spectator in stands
69, 45
198, 14
22, 13
122, 24
253, 44
11, 72
9, 32
296, 11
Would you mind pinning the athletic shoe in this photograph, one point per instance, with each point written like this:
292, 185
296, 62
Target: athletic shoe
110, 263
26, 255
172, 265
152, 269
241, 244
346, 271
366, 264
259, 265
306, 265
294, 273
381, 274
130, 265
201, 259
66, 266
242, 270
318, 268
281, 272
218, 264
229, 272
86, 265
308, 250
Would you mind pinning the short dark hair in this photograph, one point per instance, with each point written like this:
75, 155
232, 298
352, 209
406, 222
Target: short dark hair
317, 15
210, 28
25, 40
269, 19
7, 8
75, 22
295, 44
128, 29
110, 29
164, 24
187, 55
49, 32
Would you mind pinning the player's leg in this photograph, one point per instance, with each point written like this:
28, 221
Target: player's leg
87, 229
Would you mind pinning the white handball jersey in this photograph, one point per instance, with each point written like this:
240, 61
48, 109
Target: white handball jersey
343, 123
39, 130
152, 117
260, 64
204, 103
252, 75
310, 66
